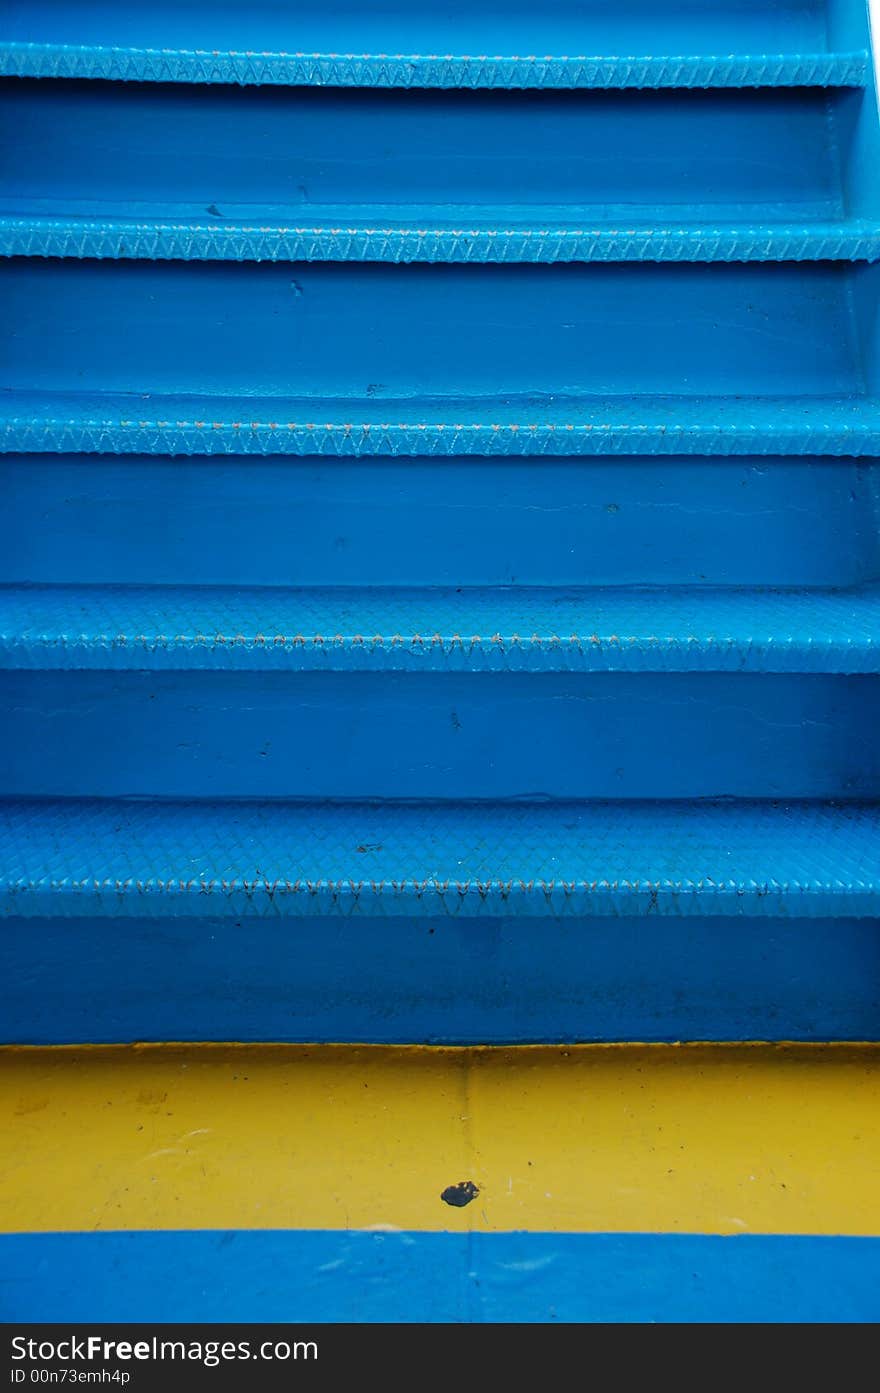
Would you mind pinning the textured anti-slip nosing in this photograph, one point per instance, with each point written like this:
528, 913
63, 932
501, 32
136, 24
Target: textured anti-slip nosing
683, 629
636, 426
158, 859
121, 64
242, 240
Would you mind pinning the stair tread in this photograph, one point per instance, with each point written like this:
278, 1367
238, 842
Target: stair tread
679, 629
130, 858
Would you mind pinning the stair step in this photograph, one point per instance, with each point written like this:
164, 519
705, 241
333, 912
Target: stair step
760, 174
178, 357
438, 978
438, 730
602, 630
438, 45
134, 859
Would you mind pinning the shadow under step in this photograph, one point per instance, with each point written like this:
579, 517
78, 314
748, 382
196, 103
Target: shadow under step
570, 525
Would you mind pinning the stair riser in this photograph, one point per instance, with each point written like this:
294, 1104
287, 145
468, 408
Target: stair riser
439, 980
350, 338
439, 735
149, 520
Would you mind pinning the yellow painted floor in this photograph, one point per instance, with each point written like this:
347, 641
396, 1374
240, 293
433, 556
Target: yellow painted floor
708, 1139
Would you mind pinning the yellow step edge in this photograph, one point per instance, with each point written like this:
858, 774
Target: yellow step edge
651, 1138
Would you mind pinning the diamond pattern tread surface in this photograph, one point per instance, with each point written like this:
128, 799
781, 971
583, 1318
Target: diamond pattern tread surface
151, 859
681, 629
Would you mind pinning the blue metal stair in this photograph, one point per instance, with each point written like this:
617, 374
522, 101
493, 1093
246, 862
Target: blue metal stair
440, 459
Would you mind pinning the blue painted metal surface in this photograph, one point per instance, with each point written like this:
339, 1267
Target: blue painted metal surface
535, 597
439, 1277
533, 339
447, 735
443, 978
330, 526
463, 627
